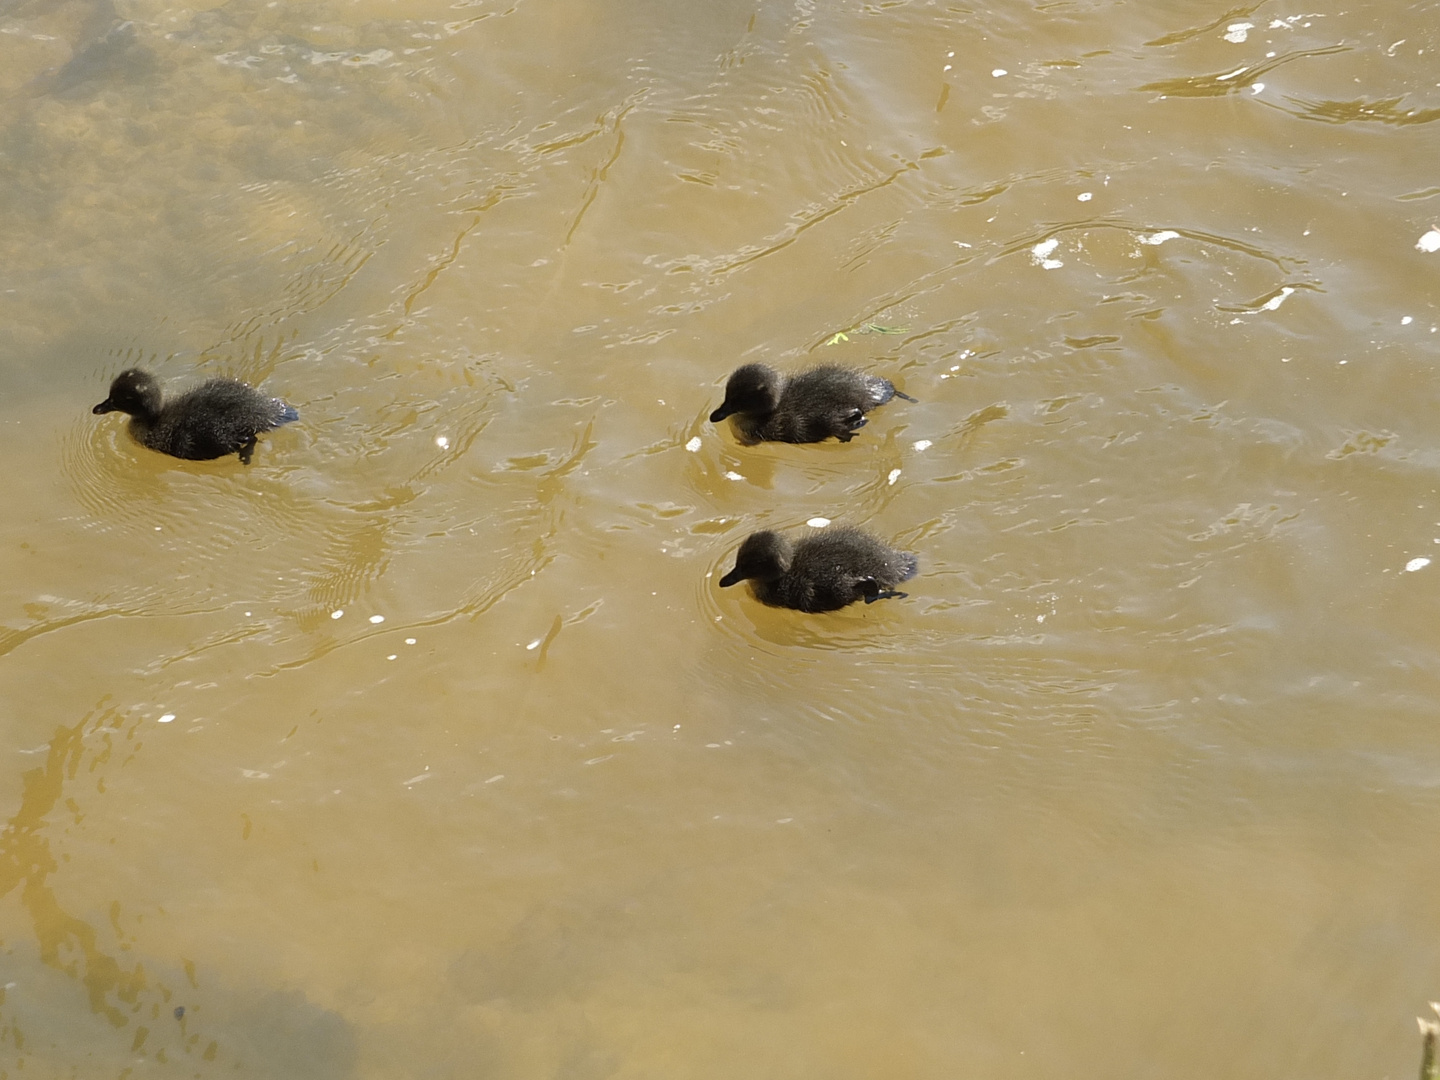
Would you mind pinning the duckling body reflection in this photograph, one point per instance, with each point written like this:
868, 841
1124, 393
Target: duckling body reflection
218, 417
822, 572
808, 407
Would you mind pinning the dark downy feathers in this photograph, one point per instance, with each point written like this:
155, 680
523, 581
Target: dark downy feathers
822, 572
218, 417
808, 407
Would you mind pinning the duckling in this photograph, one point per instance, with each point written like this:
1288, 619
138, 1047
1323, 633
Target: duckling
218, 417
822, 572
808, 407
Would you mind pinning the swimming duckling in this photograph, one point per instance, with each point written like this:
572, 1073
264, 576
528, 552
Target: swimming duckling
808, 407
822, 572
218, 417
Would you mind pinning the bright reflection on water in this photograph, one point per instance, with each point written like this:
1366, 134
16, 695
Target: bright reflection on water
427, 745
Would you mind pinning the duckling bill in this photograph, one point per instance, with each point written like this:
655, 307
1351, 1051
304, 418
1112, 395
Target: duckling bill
822, 572
808, 407
218, 417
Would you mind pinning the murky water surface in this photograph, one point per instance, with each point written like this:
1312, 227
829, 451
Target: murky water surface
427, 745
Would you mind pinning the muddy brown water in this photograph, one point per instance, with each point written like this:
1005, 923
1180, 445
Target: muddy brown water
427, 746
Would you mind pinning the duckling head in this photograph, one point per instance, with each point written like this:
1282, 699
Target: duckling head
763, 556
135, 392
754, 388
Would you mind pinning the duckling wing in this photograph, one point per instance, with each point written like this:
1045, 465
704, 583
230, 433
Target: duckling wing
174, 434
196, 437
807, 591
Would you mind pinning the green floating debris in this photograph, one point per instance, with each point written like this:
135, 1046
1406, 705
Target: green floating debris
868, 328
